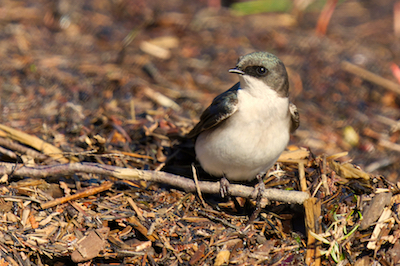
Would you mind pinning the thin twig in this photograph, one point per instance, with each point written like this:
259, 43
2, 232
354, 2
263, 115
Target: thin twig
197, 186
20, 198
139, 212
316, 189
367, 75
16, 147
9, 153
88, 192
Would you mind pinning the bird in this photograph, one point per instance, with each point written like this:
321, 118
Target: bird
245, 129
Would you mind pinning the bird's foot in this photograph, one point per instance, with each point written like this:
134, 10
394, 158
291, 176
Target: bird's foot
223, 187
259, 189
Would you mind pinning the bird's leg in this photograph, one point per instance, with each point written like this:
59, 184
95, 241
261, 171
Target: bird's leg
260, 188
223, 187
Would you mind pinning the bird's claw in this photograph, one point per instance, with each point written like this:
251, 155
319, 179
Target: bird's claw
259, 189
224, 186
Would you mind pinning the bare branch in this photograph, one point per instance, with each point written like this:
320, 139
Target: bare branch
154, 176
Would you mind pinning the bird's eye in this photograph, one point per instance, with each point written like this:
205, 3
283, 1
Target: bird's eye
261, 71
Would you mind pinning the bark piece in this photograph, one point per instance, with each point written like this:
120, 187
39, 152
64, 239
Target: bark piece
90, 245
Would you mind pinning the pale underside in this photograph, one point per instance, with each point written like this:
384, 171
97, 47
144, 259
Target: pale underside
250, 141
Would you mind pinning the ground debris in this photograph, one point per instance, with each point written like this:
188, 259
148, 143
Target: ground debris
96, 98
101, 215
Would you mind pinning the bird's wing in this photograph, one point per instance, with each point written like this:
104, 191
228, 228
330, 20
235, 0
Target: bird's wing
222, 107
294, 117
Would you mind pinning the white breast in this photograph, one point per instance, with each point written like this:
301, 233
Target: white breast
251, 140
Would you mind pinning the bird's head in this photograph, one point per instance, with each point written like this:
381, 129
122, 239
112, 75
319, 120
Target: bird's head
266, 67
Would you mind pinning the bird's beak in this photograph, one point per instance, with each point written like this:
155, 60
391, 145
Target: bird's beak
236, 70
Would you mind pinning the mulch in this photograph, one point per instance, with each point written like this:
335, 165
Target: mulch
96, 98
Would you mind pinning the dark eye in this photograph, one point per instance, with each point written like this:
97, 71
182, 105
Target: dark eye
261, 71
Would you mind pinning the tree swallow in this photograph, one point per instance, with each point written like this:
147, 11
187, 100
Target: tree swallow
245, 129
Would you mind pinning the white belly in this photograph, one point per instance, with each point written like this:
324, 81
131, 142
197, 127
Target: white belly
247, 143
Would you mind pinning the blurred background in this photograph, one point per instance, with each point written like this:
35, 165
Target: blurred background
68, 67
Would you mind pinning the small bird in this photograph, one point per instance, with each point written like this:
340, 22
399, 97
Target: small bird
245, 129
